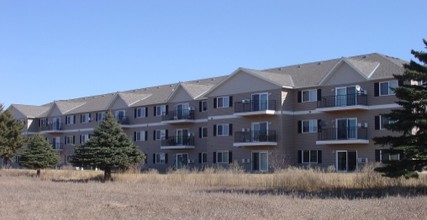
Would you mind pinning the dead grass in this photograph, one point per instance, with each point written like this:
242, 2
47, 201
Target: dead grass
213, 194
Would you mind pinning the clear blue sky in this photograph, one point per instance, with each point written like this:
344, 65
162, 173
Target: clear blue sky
52, 50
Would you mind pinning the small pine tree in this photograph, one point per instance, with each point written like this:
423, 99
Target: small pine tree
11, 139
411, 121
39, 154
108, 148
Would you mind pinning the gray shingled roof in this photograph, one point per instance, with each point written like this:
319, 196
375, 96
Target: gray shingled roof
373, 66
31, 111
311, 74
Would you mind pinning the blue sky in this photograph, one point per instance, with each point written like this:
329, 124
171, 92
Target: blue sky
53, 50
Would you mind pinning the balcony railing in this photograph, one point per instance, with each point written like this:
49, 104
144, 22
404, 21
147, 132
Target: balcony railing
243, 138
184, 114
341, 135
254, 106
178, 142
342, 100
56, 126
57, 146
123, 120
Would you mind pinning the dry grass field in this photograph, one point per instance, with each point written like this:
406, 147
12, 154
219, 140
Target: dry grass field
212, 194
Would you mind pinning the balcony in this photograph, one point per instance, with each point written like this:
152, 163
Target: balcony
123, 120
179, 116
178, 143
255, 107
55, 127
255, 138
348, 135
343, 102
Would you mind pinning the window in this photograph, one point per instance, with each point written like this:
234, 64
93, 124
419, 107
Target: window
203, 106
120, 115
203, 132
260, 161
223, 102
160, 134
307, 126
386, 88
160, 110
140, 135
43, 122
69, 140
100, 116
222, 157
387, 155
160, 158
309, 95
84, 138
222, 130
381, 121
141, 112
70, 119
309, 156
203, 157
85, 118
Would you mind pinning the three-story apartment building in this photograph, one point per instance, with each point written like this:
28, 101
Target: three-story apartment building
318, 114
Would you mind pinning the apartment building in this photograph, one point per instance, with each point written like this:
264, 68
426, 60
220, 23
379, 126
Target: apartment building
321, 114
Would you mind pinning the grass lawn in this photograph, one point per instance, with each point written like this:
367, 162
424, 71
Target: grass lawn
62, 194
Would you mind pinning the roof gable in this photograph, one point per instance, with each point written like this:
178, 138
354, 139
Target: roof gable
239, 80
180, 94
349, 71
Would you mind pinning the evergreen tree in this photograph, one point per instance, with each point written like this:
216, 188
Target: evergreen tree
108, 148
39, 154
11, 139
410, 121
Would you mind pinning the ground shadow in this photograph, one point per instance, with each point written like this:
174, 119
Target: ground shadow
336, 193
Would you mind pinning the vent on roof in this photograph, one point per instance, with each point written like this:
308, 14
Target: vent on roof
299, 66
319, 63
280, 68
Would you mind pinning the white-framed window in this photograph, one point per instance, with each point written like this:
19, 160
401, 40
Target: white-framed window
100, 116
223, 102
309, 156
160, 110
69, 140
160, 158
309, 95
222, 156
204, 106
140, 135
203, 132
386, 88
160, 134
385, 121
309, 126
141, 112
120, 114
386, 155
84, 138
260, 161
223, 130
70, 119
43, 122
85, 118
203, 158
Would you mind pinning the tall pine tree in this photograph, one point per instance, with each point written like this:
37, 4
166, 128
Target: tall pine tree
11, 139
39, 154
410, 121
108, 148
